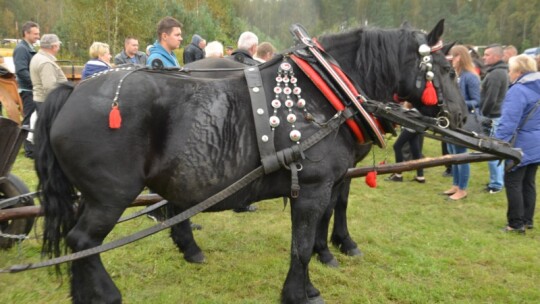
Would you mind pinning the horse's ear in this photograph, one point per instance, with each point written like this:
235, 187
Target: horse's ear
436, 33
446, 48
406, 25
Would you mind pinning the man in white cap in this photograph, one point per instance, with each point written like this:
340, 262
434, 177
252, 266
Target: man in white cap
44, 71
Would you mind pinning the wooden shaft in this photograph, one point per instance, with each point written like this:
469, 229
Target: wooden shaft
35, 211
149, 199
428, 162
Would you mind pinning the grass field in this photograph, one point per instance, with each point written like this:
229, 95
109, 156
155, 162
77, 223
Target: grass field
418, 248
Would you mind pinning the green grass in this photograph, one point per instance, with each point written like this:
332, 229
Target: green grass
418, 248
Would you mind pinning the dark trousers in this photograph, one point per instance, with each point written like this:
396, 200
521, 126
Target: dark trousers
413, 139
407, 155
521, 195
28, 108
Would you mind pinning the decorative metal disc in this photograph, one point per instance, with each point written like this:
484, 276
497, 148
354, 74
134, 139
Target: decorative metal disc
276, 104
287, 90
295, 135
285, 66
277, 90
297, 91
289, 103
279, 79
301, 103
424, 50
274, 121
291, 118
294, 80
286, 79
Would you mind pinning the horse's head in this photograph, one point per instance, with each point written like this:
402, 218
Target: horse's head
427, 78
399, 62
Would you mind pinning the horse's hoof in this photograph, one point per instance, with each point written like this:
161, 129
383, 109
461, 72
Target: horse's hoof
316, 300
328, 260
332, 263
197, 258
354, 252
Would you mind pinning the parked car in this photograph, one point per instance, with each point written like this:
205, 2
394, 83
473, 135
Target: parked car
535, 51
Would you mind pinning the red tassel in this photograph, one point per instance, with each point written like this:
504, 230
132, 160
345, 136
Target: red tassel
429, 97
115, 120
371, 179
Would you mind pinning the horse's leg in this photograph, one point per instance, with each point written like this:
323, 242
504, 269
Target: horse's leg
321, 238
90, 282
340, 234
182, 236
306, 213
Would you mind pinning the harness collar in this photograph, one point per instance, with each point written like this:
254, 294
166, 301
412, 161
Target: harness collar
343, 92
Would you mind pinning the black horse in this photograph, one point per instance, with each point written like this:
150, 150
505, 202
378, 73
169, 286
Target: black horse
379, 80
187, 138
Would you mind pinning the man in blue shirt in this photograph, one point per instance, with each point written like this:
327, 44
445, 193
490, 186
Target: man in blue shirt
169, 38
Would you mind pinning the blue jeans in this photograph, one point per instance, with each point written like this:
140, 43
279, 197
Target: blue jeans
496, 172
462, 172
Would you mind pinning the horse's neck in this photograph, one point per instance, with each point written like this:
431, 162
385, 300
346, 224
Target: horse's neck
369, 57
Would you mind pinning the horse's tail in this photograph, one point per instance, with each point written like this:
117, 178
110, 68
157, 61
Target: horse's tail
57, 192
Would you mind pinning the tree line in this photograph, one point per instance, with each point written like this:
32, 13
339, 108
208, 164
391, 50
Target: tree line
80, 22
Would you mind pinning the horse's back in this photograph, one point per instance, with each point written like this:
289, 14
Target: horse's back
195, 130
215, 68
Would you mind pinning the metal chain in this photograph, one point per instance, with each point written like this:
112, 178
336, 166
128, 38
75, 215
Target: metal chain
14, 236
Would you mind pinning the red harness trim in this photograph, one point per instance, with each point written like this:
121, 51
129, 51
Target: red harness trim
349, 84
329, 94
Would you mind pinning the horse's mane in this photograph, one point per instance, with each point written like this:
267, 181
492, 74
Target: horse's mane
377, 56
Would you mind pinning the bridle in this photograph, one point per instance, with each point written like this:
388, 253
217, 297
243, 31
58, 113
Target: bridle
433, 92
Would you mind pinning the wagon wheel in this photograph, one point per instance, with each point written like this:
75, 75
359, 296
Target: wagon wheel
12, 187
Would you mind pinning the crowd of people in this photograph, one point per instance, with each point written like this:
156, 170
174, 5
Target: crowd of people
38, 72
502, 86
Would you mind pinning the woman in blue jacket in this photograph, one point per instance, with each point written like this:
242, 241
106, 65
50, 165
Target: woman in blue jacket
520, 124
100, 61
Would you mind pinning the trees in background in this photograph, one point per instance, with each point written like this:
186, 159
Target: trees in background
80, 22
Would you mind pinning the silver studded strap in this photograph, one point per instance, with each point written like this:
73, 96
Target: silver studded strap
265, 136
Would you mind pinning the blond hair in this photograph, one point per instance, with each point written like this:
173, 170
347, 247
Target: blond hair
522, 64
98, 49
465, 59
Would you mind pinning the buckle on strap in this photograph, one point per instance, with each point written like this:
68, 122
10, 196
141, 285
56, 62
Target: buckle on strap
295, 185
